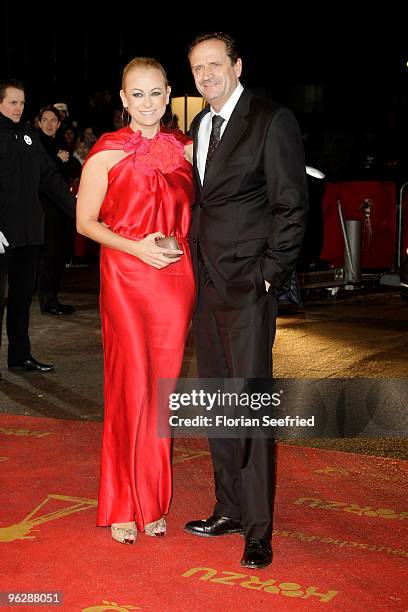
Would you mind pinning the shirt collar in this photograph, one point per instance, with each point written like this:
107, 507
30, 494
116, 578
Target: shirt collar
230, 104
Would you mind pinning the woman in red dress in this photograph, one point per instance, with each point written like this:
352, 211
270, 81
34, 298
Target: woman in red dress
137, 186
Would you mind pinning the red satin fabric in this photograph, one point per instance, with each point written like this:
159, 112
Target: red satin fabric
145, 318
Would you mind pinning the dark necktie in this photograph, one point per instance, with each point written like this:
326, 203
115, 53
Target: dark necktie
217, 122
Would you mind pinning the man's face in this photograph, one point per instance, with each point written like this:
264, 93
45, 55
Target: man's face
12, 105
215, 76
49, 123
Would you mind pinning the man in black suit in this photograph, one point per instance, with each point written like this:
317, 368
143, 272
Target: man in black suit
247, 227
25, 169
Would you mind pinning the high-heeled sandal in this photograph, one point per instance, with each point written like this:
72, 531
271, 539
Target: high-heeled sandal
157, 528
124, 533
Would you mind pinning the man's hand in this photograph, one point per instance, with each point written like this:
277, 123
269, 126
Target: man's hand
3, 243
63, 155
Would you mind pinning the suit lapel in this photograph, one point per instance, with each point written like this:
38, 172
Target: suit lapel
236, 127
195, 140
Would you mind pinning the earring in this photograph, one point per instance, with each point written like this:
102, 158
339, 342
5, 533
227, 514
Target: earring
168, 123
125, 116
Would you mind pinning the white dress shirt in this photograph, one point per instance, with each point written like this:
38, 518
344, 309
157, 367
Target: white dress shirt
204, 130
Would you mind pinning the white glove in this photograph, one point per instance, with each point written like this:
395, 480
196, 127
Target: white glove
3, 243
315, 172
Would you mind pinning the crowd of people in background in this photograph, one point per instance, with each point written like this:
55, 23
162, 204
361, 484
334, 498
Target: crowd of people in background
68, 144
342, 154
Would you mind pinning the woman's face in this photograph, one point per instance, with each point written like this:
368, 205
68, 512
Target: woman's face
145, 96
89, 136
82, 149
69, 136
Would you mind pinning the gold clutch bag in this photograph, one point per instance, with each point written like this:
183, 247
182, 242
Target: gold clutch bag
168, 242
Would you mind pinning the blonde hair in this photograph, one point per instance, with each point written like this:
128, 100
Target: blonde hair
143, 62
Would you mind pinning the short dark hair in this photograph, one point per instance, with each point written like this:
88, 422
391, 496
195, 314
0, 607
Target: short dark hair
52, 109
4, 85
231, 45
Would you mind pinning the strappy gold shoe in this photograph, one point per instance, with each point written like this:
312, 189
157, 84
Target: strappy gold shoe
125, 533
157, 528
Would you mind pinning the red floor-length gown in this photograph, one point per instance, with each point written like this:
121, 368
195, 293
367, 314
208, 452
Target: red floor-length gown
145, 317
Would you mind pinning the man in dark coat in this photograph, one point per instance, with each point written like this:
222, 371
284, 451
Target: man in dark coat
25, 168
247, 228
59, 226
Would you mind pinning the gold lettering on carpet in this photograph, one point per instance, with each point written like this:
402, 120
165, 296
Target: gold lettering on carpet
9, 431
337, 471
303, 537
286, 589
186, 454
385, 513
110, 605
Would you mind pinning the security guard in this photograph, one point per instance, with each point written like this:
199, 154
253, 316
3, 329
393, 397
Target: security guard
25, 169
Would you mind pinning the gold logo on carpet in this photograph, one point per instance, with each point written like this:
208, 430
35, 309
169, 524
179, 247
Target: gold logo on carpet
23, 529
333, 471
3, 459
185, 454
110, 605
385, 513
337, 471
270, 585
9, 431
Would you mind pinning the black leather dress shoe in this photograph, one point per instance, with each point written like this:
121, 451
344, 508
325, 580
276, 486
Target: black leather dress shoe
30, 364
67, 308
214, 526
257, 553
54, 310
57, 309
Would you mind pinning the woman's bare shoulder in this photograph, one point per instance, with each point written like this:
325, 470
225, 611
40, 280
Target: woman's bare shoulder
188, 152
106, 159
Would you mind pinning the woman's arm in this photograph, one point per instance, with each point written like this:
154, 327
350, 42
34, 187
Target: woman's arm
92, 191
188, 152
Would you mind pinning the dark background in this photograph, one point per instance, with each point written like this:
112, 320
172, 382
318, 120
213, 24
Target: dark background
339, 70
63, 52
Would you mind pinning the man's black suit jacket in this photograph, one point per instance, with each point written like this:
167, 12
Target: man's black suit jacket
250, 214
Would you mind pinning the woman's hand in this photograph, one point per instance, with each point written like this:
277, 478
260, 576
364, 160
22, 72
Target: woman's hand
153, 255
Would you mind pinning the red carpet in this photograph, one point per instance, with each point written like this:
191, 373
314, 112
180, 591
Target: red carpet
339, 542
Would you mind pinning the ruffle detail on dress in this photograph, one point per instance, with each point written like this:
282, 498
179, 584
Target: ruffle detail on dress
162, 153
